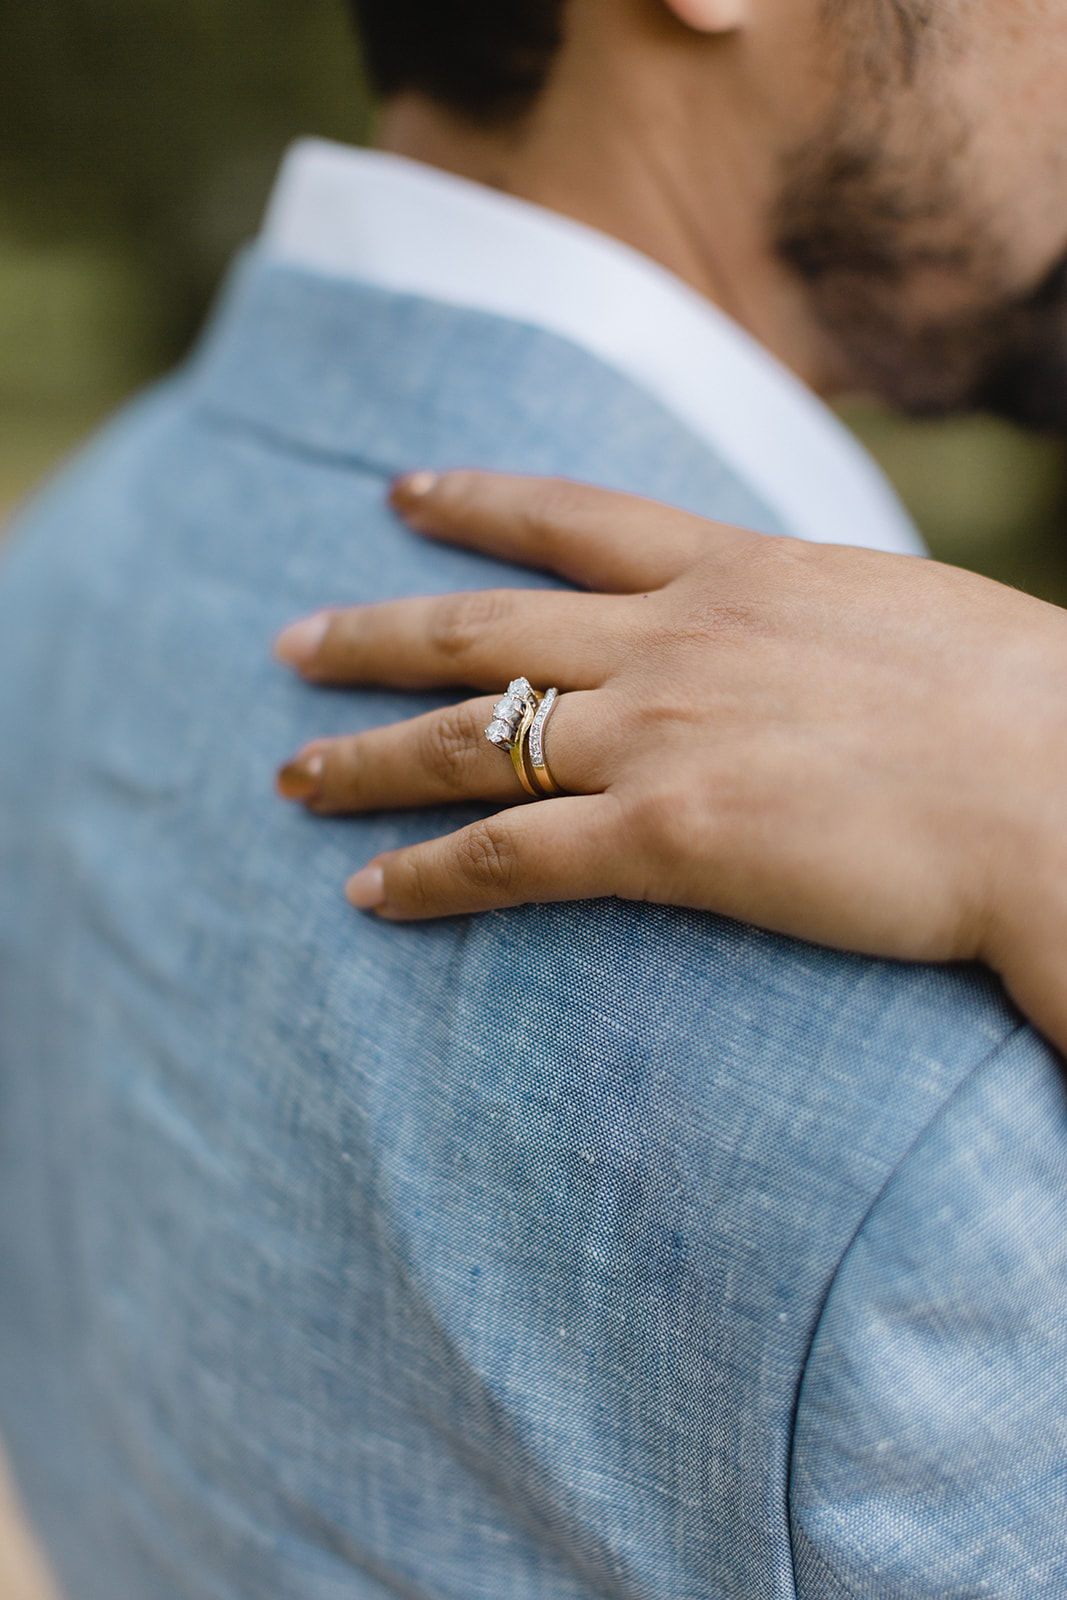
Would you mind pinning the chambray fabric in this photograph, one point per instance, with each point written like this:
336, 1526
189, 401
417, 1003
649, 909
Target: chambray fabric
600, 1250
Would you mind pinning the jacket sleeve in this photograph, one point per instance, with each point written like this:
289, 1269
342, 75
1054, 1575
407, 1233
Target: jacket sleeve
930, 1447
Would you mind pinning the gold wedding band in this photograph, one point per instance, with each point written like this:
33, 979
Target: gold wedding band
519, 752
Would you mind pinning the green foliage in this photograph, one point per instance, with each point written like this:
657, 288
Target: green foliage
154, 126
138, 141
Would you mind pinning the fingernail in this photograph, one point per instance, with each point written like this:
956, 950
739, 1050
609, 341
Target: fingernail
367, 889
301, 778
296, 645
413, 486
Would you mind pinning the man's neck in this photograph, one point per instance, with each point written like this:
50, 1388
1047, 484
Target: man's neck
621, 182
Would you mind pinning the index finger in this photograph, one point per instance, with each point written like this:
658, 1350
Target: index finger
617, 543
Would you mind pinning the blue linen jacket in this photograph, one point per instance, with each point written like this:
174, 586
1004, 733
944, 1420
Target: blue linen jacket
586, 1251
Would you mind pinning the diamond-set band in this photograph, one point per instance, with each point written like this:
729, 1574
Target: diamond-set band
518, 728
536, 743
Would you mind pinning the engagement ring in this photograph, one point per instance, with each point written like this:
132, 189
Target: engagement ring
518, 727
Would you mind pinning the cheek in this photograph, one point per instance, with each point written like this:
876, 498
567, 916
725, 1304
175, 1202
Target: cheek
1013, 97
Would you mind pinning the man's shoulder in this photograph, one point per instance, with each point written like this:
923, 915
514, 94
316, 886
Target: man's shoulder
653, 1130
933, 1414
359, 372
335, 377
251, 487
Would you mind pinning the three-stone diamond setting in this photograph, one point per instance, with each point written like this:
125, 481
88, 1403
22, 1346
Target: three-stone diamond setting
518, 728
509, 712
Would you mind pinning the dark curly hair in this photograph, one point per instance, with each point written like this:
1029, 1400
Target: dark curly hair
487, 60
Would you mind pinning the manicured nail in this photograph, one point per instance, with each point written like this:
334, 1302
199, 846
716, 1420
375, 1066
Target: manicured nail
367, 889
296, 645
414, 486
301, 778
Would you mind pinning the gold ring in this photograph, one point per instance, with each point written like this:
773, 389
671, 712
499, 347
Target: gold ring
518, 750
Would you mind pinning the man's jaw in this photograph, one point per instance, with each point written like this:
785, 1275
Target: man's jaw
926, 323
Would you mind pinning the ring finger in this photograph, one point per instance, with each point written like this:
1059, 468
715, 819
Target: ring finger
444, 757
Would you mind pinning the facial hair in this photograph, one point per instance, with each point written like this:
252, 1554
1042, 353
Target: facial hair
862, 229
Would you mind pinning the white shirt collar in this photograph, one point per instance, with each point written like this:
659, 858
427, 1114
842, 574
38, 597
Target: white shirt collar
412, 228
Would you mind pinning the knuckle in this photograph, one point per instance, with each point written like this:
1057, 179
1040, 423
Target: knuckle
775, 561
458, 622
418, 885
487, 858
409, 882
746, 600
448, 739
713, 620
677, 705
555, 510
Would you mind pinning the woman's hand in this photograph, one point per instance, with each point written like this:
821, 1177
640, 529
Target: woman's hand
863, 750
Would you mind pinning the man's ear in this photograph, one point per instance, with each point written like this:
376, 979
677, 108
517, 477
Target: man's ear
711, 16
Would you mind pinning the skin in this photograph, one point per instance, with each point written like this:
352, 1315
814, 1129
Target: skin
859, 749
875, 189
854, 748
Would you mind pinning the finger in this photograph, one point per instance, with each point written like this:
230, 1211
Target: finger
601, 540
483, 639
441, 758
556, 850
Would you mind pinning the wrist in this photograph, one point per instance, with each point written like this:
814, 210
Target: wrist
1026, 934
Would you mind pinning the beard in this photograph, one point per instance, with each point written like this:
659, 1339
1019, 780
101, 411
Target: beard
869, 236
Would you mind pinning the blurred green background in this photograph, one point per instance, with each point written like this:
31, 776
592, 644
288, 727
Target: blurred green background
138, 140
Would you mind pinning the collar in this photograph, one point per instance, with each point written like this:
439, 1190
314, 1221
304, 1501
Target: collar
408, 227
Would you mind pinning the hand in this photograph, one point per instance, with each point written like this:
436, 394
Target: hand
864, 750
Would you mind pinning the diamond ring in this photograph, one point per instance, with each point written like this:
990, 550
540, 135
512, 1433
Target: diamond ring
518, 726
